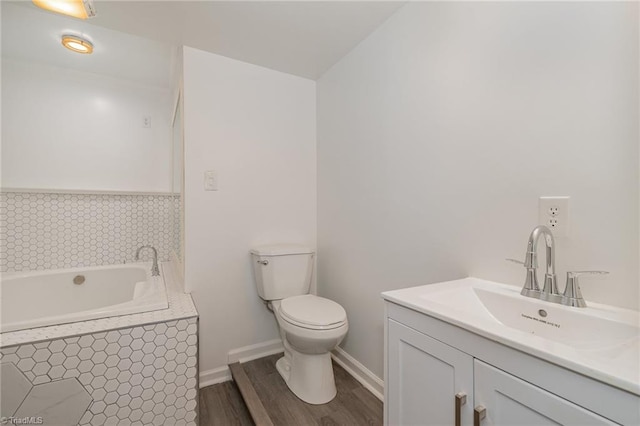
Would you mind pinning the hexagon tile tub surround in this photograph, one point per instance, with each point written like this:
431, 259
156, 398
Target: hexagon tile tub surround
42, 231
139, 375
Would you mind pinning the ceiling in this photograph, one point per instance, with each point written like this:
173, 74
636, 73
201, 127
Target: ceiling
304, 38
33, 35
138, 40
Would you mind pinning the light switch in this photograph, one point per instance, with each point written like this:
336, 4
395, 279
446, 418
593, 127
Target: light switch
210, 180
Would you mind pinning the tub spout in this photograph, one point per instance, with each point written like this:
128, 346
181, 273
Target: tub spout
155, 271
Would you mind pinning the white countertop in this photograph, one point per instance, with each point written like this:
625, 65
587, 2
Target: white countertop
614, 359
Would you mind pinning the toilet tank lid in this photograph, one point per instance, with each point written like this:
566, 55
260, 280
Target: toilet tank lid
281, 249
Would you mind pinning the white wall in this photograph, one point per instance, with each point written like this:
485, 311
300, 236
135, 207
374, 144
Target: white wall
68, 129
439, 132
256, 128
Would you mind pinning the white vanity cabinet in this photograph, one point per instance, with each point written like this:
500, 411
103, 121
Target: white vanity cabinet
430, 363
425, 376
508, 400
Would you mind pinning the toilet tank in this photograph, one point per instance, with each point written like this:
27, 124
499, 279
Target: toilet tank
282, 270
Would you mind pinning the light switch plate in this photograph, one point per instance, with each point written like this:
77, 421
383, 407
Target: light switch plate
210, 180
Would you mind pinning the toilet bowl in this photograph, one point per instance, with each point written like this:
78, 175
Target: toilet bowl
308, 336
310, 326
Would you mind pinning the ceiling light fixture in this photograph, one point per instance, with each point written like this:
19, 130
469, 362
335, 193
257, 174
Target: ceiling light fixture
77, 44
81, 9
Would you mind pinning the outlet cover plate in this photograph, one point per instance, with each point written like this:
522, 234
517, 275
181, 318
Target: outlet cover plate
553, 212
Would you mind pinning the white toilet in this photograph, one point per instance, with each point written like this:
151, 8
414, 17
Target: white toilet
310, 326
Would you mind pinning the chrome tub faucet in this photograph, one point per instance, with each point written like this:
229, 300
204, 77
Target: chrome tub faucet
155, 271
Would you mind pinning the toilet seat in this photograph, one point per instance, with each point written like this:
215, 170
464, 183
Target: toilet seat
312, 312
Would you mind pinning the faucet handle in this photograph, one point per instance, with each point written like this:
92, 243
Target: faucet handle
530, 288
578, 273
572, 295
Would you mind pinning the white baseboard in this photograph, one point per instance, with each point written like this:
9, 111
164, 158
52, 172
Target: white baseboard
248, 353
362, 374
259, 350
215, 376
244, 354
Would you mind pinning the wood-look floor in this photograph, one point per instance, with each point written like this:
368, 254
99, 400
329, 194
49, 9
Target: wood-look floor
354, 405
222, 404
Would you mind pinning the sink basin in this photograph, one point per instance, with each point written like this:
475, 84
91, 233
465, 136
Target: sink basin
580, 327
576, 327
599, 338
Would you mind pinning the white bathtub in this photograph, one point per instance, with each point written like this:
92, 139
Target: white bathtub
37, 299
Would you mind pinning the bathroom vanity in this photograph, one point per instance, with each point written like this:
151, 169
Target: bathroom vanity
474, 352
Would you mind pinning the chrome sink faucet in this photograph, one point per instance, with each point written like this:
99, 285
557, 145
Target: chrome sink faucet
155, 271
572, 295
550, 287
531, 288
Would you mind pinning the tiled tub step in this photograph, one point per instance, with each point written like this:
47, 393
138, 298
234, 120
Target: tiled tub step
249, 395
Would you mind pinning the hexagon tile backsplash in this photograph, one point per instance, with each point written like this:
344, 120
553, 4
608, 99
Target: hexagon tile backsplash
52, 231
132, 376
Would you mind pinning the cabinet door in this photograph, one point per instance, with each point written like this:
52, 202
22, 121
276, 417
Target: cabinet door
510, 401
424, 376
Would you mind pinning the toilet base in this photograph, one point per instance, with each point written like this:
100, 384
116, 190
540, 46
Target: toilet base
283, 367
309, 377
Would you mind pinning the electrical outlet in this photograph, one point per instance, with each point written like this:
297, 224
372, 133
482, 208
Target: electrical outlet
553, 212
146, 122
